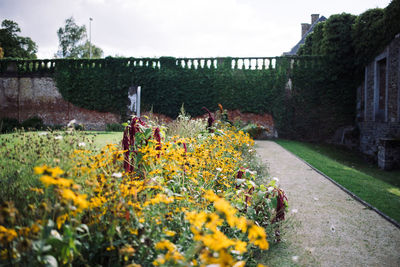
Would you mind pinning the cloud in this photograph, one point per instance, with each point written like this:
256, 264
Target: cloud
185, 28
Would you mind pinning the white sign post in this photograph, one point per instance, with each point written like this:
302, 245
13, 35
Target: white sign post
138, 102
134, 97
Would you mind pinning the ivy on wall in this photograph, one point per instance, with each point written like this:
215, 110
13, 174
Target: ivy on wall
104, 86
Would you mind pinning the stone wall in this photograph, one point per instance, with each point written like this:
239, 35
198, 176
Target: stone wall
380, 126
25, 97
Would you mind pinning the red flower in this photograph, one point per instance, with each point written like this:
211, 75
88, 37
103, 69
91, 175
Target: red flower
128, 142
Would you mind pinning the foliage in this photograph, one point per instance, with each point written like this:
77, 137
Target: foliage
13, 45
104, 85
184, 126
391, 18
368, 36
84, 51
33, 123
11, 124
8, 125
254, 130
350, 170
114, 127
324, 98
187, 201
71, 42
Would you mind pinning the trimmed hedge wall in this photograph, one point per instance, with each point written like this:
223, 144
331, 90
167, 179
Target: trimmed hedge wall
257, 85
103, 85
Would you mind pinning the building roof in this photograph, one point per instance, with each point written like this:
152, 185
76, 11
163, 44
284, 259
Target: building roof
295, 48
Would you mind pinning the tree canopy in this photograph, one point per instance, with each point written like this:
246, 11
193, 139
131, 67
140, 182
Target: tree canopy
73, 42
15, 46
354, 40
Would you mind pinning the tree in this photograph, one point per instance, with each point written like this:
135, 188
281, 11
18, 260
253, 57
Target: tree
13, 45
368, 35
84, 51
73, 42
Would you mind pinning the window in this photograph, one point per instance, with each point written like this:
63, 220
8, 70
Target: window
380, 90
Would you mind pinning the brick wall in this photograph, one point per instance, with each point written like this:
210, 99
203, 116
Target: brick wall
25, 97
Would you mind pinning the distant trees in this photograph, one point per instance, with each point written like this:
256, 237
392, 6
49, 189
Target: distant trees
15, 46
73, 42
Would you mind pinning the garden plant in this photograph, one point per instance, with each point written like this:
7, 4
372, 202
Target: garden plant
159, 199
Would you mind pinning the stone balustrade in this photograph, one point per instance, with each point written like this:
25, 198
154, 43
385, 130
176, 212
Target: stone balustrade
48, 66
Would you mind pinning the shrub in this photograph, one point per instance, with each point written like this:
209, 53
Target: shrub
8, 125
184, 126
33, 123
114, 127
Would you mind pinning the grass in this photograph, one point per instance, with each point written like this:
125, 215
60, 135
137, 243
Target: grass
379, 188
103, 138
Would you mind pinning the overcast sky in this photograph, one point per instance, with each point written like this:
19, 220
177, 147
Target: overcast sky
180, 28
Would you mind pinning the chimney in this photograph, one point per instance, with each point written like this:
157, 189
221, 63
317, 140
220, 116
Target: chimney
314, 18
304, 28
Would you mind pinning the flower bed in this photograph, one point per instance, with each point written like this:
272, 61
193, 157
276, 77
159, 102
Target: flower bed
162, 200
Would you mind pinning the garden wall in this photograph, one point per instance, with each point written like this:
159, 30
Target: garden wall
378, 113
25, 97
279, 86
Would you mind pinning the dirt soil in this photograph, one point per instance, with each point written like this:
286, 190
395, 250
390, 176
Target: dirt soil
328, 227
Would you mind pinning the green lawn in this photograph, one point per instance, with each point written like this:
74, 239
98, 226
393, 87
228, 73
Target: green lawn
379, 188
103, 138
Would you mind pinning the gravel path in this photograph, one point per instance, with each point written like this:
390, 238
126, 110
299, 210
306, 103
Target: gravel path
329, 227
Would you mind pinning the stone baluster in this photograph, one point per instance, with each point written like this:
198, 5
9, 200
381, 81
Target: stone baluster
235, 63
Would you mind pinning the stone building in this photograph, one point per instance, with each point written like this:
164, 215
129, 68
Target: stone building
378, 107
306, 29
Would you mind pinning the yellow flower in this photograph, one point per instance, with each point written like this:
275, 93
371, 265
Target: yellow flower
134, 231
258, 237
40, 169
224, 207
64, 182
37, 190
165, 244
159, 261
79, 200
61, 219
127, 250
68, 194
169, 233
48, 180
7, 235
35, 228
55, 171
241, 224
241, 246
